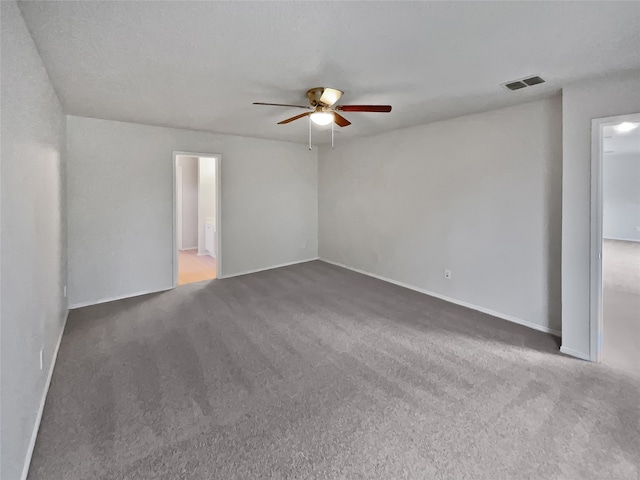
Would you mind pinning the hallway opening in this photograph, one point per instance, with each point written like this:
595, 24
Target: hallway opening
196, 208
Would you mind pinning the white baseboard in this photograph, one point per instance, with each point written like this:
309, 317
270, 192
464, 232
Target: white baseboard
36, 426
189, 248
493, 313
622, 239
146, 292
119, 297
247, 272
574, 353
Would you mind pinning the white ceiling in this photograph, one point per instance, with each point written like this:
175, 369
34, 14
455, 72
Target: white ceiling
200, 65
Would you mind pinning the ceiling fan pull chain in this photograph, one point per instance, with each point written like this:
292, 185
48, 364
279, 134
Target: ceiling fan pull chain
309, 132
331, 134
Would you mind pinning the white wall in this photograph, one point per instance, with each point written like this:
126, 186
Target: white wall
621, 197
121, 211
189, 202
207, 182
582, 102
33, 240
479, 195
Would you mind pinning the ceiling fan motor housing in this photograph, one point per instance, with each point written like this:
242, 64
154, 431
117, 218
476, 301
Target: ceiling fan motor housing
314, 95
331, 96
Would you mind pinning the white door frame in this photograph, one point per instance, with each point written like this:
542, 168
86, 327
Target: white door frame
218, 246
595, 309
178, 187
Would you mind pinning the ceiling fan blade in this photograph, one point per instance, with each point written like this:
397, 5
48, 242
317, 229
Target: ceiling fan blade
340, 120
282, 105
364, 108
289, 120
330, 96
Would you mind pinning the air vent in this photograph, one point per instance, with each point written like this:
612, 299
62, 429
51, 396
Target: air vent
533, 81
523, 83
516, 85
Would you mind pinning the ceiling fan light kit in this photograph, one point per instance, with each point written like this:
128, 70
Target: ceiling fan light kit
322, 117
323, 111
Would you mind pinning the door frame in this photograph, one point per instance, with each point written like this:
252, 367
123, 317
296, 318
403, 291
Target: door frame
595, 271
218, 246
178, 197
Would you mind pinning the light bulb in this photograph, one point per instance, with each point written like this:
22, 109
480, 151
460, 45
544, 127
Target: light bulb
322, 118
625, 127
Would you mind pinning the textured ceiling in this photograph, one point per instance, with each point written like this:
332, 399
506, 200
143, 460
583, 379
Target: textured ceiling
200, 65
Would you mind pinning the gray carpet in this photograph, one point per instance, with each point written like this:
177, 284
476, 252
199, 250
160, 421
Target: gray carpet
621, 304
312, 372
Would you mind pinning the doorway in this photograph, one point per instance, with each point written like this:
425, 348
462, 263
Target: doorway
196, 232
615, 314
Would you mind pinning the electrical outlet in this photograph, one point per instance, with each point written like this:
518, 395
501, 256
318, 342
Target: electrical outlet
41, 359
638, 228
64, 290
303, 245
447, 274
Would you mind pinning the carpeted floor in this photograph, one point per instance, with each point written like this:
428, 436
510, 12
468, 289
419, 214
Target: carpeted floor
621, 304
313, 372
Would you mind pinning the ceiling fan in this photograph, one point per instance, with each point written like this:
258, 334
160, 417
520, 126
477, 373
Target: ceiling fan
322, 108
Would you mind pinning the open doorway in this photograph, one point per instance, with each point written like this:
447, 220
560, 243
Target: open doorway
616, 211
196, 255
